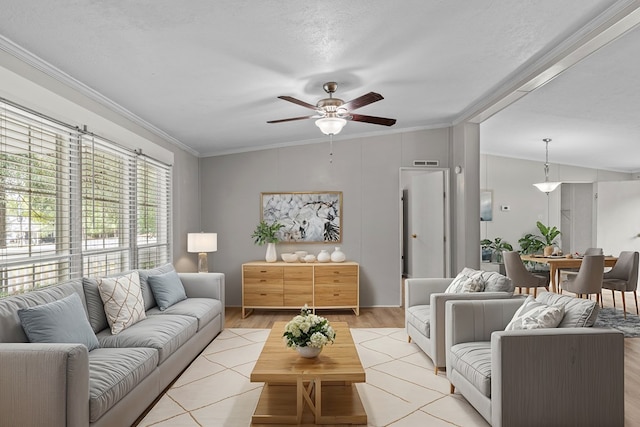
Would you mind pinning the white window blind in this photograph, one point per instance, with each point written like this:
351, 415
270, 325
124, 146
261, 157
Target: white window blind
73, 204
108, 203
153, 189
36, 203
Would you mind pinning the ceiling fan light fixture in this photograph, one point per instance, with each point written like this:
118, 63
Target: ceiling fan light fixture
331, 125
547, 186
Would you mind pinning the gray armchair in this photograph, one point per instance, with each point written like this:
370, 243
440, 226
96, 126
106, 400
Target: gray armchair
538, 377
623, 277
424, 310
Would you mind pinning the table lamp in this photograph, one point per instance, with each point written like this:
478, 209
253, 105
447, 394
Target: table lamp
202, 243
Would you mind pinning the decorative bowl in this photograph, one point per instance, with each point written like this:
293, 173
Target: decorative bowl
301, 254
288, 257
310, 258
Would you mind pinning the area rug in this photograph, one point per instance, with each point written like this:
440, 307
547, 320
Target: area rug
401, 388
610, 317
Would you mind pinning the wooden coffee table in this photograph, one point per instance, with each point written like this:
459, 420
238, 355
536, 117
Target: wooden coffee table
319, 390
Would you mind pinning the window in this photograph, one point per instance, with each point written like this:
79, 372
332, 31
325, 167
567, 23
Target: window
74, 205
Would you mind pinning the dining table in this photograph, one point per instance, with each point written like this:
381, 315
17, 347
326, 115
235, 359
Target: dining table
557, 263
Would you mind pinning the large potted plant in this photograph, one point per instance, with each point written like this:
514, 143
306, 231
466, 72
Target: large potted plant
495, 246
267, 233
532, 244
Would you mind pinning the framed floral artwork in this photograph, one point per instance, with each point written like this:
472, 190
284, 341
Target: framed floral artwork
308, 217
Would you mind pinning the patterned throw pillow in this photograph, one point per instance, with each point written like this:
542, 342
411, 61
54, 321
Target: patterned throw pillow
462, 280
473, 285
535, 315
122, 298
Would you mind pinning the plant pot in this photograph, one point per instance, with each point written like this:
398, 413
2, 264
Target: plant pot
309, 352
548, 251
271, 255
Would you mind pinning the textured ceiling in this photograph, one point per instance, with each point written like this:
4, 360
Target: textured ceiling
207, 73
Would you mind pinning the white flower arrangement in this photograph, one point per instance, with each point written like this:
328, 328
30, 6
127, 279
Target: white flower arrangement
308, 330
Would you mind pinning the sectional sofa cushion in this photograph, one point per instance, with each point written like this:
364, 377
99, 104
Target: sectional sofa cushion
122, 298
578, 312
167, 289
62, 321
536, 315
203, 309
113, 373
147, 294
473, 361
166, 333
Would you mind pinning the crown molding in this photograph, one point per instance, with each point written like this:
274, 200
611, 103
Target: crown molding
51, 71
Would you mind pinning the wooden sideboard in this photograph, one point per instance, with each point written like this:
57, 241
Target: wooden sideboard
282, 285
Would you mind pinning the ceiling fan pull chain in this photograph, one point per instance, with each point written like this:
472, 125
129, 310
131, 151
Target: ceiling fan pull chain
330, 148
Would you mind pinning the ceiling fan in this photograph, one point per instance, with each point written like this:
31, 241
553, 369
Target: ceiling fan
332, 113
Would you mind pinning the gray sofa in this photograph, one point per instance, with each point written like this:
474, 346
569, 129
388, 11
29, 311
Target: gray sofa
425, 309
564, 376
67, 385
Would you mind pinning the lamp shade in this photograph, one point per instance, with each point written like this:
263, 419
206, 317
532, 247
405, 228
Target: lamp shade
331, 125
202, 242
547, 187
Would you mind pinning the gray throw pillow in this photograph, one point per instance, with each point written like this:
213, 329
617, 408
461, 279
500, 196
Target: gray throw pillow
147, 294
167, 289
62, 321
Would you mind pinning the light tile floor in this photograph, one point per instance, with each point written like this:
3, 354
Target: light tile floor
401, 389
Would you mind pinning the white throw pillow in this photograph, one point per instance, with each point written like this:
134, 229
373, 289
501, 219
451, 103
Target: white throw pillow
122, 298
462, 280
535, 315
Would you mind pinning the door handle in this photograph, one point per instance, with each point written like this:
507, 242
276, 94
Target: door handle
414, 236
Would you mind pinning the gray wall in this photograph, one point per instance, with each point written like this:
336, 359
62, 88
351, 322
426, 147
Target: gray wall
366, 170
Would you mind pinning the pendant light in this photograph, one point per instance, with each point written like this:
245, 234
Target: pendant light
546, 186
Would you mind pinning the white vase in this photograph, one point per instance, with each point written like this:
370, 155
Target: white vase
309, 352
324, 256
337, 255
271, 256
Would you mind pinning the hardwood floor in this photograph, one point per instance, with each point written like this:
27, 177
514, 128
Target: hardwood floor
394, 318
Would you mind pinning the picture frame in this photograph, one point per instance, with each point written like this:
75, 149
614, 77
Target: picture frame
486, 205
308, 217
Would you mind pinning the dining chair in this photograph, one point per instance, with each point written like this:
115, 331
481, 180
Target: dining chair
520, 276
623, 277
588, 279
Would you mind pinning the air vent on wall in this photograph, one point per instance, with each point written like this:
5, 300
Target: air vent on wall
426, 163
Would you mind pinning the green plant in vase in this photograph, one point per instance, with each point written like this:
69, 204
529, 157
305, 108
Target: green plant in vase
532, 244
267, 234
496, 246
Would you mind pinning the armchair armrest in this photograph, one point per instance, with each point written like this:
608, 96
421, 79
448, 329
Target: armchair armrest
558, 377
44, 384
203, 285
418, 291
438, 318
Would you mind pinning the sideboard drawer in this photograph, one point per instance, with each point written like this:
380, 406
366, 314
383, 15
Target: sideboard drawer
263, 294
336, 274
336, 296
261, 275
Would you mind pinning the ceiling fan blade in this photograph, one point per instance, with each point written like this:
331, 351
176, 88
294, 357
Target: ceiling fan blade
292, 119
363, 100
371, 119
297, 101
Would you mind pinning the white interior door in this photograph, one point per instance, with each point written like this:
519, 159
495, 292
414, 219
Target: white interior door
618, 216
426, 227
